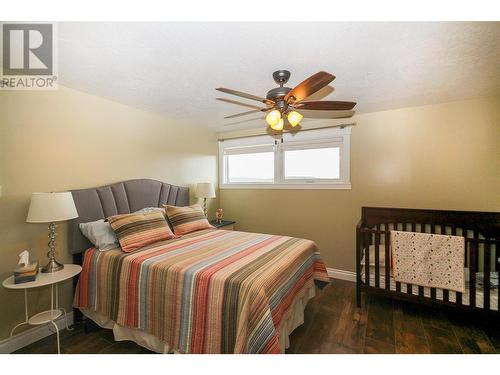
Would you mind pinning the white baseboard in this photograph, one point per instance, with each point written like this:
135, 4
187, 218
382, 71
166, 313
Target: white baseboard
341, 274
29, 336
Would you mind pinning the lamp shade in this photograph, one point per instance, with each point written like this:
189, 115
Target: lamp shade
50, 207
205, 190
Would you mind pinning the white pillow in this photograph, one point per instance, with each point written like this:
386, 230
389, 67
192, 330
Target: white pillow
100, 234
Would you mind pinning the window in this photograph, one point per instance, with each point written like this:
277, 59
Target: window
250, 167
312, 163
310, 159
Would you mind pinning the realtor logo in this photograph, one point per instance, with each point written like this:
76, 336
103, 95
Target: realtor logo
28, 56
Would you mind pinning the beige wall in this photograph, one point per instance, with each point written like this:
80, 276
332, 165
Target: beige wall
64, 139
444, 156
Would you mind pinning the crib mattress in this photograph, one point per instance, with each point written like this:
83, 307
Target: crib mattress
439, 292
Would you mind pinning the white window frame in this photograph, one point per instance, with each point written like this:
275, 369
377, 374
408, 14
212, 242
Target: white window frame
307, 139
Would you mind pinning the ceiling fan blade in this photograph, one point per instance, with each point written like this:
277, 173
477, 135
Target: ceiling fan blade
310, 86
326, 114
245, 95
326, 105
247, 113
230, 101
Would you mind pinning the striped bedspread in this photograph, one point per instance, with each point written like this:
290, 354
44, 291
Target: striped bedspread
211, 291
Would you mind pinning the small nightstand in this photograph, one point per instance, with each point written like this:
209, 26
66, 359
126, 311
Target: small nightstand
42, 279
224, 224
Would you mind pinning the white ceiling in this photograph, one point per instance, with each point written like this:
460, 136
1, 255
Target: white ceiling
173, 68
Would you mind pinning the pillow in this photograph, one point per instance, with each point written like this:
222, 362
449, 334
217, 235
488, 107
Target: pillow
100, 234
157, 209
187, 219
140, 229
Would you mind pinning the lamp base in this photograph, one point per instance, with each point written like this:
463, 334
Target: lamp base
205, 207
52, 266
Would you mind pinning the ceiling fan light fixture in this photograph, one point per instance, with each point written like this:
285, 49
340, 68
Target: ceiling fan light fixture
273, 118
285, 101
294, 118
278, 126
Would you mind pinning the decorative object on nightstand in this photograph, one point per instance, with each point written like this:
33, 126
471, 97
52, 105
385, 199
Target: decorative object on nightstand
205, 190
25, 271
50, 208
48, 316
224, 224
219, 214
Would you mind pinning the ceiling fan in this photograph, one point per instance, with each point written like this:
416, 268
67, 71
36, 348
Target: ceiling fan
284, 101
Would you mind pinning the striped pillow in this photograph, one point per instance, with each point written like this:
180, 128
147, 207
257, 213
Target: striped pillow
140, 229
187, 219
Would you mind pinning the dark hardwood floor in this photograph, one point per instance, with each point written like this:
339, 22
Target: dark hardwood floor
333, 324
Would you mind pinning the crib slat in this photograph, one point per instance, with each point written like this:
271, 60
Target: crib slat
496, 265
398, 284
420, 291
366, 244
497, 257
446, 293
413, 227
409, 288
476, 237
472, 274
464, 234
377, 257
387, 258
424, 230
486, 275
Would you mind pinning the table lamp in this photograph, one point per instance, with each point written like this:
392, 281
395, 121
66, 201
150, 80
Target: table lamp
50, 208
205, 190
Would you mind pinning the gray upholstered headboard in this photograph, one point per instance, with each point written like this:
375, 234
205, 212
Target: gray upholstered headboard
120, 198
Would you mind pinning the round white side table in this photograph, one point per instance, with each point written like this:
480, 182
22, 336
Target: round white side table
42, 279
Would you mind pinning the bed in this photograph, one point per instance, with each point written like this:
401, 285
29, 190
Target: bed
210, 291
481, 232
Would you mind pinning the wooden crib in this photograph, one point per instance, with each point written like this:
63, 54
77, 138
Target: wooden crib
481, 231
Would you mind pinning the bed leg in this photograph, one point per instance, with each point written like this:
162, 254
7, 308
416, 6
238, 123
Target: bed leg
77, 316
90, 326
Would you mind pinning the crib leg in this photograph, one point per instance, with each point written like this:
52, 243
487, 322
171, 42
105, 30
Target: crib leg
358, 295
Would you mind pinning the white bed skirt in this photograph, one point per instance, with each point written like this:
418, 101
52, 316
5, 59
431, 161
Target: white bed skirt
293, 319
